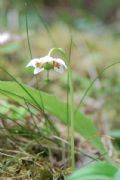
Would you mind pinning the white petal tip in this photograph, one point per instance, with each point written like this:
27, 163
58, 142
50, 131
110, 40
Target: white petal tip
38, 70
59, 70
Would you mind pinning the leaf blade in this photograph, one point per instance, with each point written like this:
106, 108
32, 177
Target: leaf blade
54, 106
93, 171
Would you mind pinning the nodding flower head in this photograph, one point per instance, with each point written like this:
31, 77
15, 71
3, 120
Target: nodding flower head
47, 63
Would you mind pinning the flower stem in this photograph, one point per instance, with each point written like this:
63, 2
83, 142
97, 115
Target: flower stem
62, 52
47, 79
71, 119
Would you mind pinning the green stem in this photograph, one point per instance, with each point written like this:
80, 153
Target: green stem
71, 118
94, 80
27, 30
62, 52
47, 79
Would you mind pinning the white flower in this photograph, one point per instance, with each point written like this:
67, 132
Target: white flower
47, 63
4, 37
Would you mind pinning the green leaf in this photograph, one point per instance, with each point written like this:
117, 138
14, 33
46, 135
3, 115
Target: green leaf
117, 176
54, 106
115, 134
95, 171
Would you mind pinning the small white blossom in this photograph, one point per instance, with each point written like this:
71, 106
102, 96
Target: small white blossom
47, 63
4, 37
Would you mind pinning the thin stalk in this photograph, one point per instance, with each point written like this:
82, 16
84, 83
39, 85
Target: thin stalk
92, 83
28, 39
70, 81
62, 52
71, 118
40, 95
36, 107
32, 117
48, 77
29, 46
47, 121
22, 86
68, 121
47, 125
89, 87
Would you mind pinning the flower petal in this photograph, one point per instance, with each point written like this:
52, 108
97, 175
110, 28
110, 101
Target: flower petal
59, 70
39, 64
38, 70
47, 59
33, 62
60, 61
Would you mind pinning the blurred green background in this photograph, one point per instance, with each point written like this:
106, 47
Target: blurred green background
75, 13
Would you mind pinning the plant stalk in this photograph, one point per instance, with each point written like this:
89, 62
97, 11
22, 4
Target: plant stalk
71, 119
